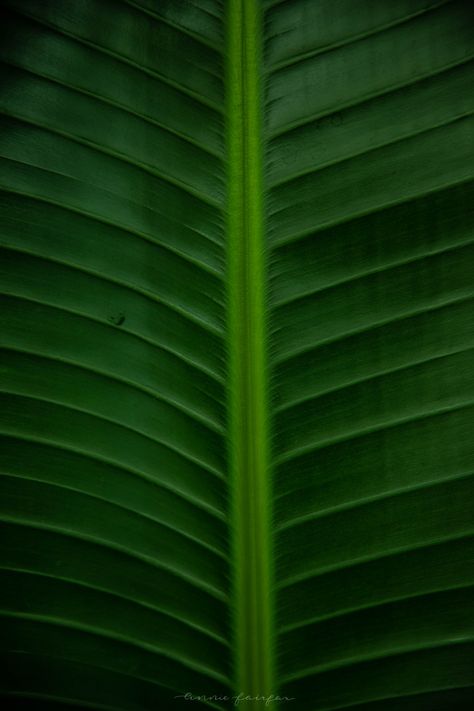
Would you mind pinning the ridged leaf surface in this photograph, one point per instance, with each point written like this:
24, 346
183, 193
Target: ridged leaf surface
236, 396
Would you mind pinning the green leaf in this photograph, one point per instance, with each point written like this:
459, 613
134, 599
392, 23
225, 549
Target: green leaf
236, 354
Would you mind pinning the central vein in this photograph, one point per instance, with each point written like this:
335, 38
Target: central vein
248, 398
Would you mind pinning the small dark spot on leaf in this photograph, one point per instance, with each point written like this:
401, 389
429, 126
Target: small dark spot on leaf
117, 319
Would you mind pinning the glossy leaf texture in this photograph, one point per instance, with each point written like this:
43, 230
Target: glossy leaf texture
117, 559
115, 546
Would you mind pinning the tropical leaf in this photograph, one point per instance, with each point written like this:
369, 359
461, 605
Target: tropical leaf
236, 421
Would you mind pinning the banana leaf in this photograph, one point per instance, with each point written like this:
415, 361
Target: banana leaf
236, 354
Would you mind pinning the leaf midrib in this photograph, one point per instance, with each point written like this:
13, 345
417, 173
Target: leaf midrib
249, 435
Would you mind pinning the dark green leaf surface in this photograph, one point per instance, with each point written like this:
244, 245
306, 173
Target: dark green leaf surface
139, 357
369, 218
113, 357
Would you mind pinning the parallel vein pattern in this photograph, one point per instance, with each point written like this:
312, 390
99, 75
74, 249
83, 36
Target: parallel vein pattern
369, 120
114, 561
236, 354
